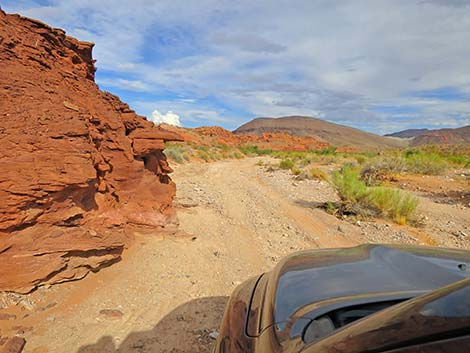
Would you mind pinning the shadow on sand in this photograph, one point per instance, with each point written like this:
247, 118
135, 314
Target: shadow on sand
310, 204
185, 329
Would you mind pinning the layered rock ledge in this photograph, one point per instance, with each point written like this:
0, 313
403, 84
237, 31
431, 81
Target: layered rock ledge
77, 165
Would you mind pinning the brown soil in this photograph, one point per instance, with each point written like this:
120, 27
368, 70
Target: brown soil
452, 188
168, 293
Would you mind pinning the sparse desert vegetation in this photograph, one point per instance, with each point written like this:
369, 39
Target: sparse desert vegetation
366, 182
184, 152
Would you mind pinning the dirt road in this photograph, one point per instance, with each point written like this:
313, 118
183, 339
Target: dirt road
168, 294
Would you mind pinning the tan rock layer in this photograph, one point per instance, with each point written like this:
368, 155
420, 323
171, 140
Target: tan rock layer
72, 159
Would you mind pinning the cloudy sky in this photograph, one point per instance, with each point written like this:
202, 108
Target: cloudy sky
377, 65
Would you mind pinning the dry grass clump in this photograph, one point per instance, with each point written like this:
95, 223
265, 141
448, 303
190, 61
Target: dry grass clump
425, 163
286, 163
393, 203
317, 174
176, 152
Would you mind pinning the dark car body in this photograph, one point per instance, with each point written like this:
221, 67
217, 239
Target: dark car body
369, 298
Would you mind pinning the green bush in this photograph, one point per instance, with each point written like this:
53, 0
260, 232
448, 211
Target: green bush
360, 159
252, 150
326, 151
425, 163
350, 188
286, 164
410, 160
202, 148
392, 203
393, 163
388, 202
459, 160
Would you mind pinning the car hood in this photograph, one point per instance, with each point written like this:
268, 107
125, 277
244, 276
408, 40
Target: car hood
314, 279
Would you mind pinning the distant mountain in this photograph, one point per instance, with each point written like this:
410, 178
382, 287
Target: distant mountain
410, 133
459, 135
338, 135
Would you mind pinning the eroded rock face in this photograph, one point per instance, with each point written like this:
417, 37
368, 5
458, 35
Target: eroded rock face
74, 161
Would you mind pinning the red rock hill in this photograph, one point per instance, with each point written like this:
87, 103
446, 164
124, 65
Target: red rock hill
279, 141
77, 164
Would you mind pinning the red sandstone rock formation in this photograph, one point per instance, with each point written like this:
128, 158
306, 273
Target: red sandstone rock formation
75, 161
279, 141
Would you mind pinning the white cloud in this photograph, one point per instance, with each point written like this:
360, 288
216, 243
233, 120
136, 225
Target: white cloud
193, 112
335, 59
168, 118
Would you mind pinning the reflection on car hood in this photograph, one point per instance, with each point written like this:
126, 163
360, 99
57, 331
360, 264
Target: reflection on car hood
319, 275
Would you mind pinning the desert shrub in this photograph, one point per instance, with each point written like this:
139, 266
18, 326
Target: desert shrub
176, 152
360, 159
425, 163
215, 155
392, 203
381, 167
235, 154
327, 159
223, 147
457, 155
393, 163
204, 155
252, 150
286, 164
202, 148
360, 199
295, 170
317, 174
411, 161
308, 159
350, 188
373, 176
462, 161
328, 150
181, 153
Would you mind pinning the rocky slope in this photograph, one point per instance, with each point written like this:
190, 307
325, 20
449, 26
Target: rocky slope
409, 133
443, 137
420, 137
77, 164
334, 134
